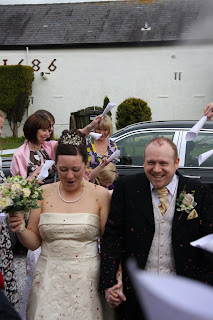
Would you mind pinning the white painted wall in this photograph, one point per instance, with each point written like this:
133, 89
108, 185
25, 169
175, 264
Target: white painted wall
83, 78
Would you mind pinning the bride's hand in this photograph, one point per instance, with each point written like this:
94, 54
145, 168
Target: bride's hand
15, 222
115, 295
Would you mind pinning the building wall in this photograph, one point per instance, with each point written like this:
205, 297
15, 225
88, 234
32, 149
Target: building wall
176, 81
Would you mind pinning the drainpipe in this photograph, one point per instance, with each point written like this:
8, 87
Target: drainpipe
27, 54
27, 58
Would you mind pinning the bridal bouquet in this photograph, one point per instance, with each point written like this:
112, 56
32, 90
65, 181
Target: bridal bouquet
20, 195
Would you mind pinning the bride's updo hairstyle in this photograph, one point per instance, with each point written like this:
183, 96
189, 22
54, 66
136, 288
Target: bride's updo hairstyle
72, 143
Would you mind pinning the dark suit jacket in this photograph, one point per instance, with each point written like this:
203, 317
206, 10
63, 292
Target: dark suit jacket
7, 312
130, 229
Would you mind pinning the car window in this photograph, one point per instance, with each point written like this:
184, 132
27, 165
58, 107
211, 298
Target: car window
132, 146
202, 143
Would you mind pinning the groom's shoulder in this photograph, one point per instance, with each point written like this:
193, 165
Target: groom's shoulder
193, 183
132, 179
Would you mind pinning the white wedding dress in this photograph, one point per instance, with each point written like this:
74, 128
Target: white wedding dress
66, 278
32, 258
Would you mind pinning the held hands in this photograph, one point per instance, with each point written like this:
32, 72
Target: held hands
114, 295
208, 111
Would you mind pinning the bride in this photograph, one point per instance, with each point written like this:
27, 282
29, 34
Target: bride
67, 225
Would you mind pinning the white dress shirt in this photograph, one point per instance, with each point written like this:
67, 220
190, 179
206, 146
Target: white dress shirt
171, 188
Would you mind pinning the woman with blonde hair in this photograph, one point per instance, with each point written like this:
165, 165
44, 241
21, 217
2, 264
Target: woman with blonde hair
104, 146
107, 176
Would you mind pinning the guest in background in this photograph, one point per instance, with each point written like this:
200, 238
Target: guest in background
104, 146
29, 158
107, 176
6, 309
7, 268
38, 129
208, 111
51, 119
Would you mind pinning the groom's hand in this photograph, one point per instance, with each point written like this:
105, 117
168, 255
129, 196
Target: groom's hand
115, 295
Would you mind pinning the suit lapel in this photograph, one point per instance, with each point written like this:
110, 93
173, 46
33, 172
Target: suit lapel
144, 199
181, 185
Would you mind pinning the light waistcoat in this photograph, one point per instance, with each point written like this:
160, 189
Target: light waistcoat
161, 258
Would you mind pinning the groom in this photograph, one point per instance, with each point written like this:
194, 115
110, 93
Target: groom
145, 223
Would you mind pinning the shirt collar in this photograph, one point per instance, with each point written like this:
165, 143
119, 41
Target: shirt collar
171, 186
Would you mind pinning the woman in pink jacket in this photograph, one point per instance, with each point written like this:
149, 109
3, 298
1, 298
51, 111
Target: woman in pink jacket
29, 158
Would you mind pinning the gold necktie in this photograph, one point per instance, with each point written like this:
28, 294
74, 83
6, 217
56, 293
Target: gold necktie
162, 194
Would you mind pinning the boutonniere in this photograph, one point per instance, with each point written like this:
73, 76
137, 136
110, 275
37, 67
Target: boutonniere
185, 203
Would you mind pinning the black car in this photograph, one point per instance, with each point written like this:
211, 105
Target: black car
132, 140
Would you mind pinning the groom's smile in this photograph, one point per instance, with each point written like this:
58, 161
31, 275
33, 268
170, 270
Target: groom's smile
160, 164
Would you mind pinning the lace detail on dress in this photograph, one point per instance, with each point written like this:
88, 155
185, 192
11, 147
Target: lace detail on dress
66, 278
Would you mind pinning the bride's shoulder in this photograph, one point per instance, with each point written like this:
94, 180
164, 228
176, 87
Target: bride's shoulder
49, 187
98, 190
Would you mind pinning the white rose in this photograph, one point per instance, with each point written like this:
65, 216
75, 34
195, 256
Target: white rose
5, 202
26, 192
2, 187
15, 179
188, 200
16, 187
24, 182
13, 195
35, 195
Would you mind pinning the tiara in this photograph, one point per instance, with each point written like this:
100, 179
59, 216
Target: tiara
73, 138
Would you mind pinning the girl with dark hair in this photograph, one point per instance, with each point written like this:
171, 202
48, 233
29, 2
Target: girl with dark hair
28, 159
51, 119
67, 225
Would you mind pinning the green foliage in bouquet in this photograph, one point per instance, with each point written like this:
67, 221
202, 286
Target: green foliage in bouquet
19, 194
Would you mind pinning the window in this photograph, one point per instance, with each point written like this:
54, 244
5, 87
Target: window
178, 75
132, 147
202, 143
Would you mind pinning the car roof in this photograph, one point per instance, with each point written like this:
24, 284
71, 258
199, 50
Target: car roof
177, 124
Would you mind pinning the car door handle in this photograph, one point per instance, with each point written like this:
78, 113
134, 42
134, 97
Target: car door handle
192, 177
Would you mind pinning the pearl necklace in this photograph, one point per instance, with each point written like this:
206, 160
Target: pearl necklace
71, 201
